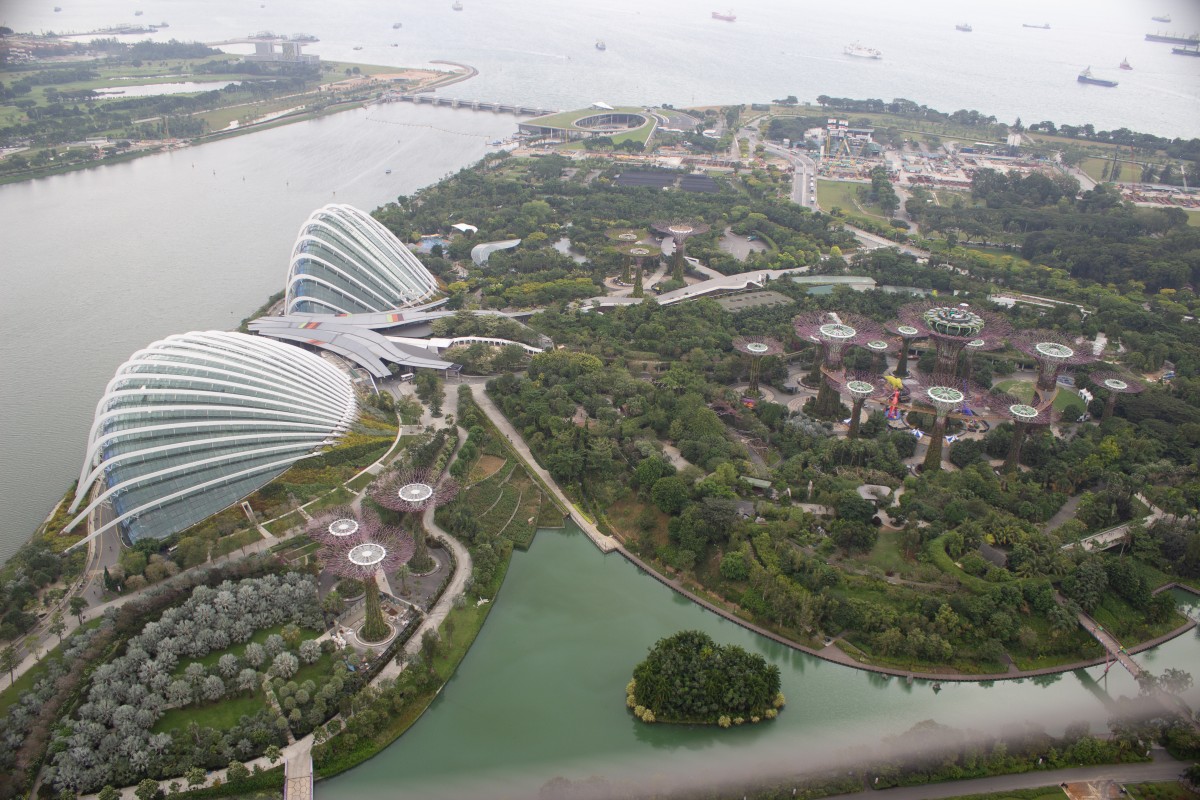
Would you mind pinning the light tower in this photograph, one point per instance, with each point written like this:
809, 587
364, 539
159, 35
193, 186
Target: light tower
1053, 352
944, 398
1115, 383
1023, 418
952, 328
861, 387
758, 348
680, 232
908, 334
835, 333
408, 490
362, 548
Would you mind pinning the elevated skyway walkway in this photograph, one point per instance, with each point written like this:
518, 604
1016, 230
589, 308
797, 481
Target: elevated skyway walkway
727, 283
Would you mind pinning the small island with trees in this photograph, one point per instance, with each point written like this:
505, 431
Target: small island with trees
688, 678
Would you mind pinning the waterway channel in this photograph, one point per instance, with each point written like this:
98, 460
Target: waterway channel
541, 694
100, 263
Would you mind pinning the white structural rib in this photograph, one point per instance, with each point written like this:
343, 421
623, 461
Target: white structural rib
345, 262
213, 406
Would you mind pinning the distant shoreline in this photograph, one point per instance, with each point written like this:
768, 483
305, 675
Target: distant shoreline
300, 115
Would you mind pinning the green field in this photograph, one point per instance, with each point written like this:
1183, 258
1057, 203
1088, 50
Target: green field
1022, 390
844, 195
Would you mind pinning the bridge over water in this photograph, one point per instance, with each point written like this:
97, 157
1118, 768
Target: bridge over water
418, 98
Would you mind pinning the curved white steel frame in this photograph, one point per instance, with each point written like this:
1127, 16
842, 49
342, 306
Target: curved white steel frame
381, 274
212, 390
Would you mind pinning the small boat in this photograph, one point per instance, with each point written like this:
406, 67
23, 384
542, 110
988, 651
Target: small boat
457, 5
1042, 27
1125, 64
164, 25
1086, 77
358, 47
387, 172
395, 45
965, 27
57, 9
728, 16
397, 25
137, 13
857, 50
1162, 18
600, 45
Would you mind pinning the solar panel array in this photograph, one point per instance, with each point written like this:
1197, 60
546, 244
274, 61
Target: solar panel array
698, 183
667, 180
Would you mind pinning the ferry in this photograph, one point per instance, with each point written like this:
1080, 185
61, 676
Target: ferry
728, 16
1163, 18
1125, 63
965, 27
600, 45
1042, 27
857, 50
1086, 77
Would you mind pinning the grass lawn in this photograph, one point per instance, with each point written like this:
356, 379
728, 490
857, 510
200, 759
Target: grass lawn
886, 554
1066, 397
844, 194
1193, 216
1167, 790
1042, 793
221, 715
1022, 390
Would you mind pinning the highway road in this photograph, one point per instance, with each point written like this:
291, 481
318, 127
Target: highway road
804, 181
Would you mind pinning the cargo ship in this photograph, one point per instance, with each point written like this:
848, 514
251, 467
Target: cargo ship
1164, 18
965, 27
1086, 77
1043, 27
858, 51
728, 16
1170, 38
1187, 51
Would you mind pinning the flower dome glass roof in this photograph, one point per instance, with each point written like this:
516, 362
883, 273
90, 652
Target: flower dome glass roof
197, 421
345, 262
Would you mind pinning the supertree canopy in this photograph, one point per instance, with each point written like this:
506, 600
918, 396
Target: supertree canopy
962, 398
1115, 383
1023, 418
629, 242
757, 347
359, 548
881, 349
952, 328
834, 333
861, 386
680, 232
410, 490
1053, 353
908, 334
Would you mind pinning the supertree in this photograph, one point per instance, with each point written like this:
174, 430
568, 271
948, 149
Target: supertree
629, 243
861, 386
758, 348
1115, 383
360, 548
951, 328
1023, 417
834, 333
410, 490
908, 334
964, 398
680, 232
1053, 353
881, 349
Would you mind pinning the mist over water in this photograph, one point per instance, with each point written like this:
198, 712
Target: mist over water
541, 694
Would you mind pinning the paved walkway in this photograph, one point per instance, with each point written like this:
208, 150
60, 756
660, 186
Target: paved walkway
1110, 643
606, 543
1162, 768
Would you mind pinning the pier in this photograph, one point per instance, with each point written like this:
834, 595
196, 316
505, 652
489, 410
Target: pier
452, 102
